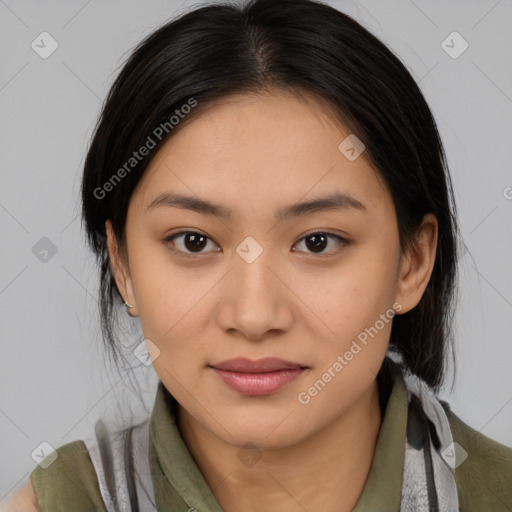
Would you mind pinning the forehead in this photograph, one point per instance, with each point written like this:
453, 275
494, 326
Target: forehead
251, 151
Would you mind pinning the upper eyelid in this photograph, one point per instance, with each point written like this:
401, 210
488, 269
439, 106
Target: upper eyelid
326, 231
186, 231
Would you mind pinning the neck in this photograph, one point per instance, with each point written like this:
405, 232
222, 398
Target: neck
326, 471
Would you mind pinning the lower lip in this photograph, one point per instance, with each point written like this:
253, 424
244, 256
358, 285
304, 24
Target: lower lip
258, 383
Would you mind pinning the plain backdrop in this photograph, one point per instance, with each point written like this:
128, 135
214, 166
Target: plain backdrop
55, 380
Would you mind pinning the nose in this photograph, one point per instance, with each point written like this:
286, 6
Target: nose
256, 302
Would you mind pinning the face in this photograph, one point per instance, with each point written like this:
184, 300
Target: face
261, 277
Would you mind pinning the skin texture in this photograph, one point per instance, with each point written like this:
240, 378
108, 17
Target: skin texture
256, 154
24, 500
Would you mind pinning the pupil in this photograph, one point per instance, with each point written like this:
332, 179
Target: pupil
318, 242
193, 241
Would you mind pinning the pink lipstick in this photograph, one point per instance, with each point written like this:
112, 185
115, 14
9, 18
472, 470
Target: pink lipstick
260, 377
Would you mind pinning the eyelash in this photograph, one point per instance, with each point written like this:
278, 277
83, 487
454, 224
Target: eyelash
170, 239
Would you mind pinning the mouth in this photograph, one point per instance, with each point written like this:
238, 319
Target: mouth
260, 377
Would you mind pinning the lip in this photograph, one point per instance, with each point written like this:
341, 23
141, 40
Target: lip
260, 377
264, 365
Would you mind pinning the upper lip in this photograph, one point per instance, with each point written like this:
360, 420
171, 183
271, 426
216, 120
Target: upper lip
265, 365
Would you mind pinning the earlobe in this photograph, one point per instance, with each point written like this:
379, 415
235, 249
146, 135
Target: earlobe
417, 265
120, 271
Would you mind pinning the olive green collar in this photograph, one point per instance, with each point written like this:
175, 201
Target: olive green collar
179, 484
383, 488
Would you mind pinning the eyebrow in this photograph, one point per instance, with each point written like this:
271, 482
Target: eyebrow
334, 201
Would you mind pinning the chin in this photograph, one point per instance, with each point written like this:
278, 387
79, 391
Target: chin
253, 438
267, 429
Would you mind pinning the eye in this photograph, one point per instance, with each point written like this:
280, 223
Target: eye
189, 243
192, 241
318, 241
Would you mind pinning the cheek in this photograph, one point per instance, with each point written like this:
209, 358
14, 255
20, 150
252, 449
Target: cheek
164, 293
351, 298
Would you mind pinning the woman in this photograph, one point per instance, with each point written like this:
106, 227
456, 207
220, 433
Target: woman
266, 191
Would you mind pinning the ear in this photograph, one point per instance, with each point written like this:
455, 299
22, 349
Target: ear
417, 264
120, 269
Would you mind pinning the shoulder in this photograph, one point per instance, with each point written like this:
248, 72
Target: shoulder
483, 469
66, 480
23, 501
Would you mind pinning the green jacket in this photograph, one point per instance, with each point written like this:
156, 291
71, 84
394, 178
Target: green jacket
484, 479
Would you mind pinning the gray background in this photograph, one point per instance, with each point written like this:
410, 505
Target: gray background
54, 378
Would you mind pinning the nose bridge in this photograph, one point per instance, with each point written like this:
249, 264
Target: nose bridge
254, 278
257, 301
